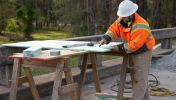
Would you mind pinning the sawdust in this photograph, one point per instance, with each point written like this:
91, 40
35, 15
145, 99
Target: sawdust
160, 91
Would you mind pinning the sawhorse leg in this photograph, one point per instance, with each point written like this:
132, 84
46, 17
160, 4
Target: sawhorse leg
58, 80
13, 88
69, 78
61, 67
34, 91
15, 79
83, 74
95, 72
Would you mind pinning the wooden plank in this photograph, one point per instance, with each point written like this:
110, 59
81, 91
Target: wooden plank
82, 76
41, 63
58, 79
123, 77
13, 88
162, 51
106, 95
45, 55
31, 83
21, 80
69, 78
112, 53
95, 72
67, 89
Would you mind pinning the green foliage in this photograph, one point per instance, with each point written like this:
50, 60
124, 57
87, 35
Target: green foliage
12, 25
79, 30
49, 35
108, 57
26, 14
7, 10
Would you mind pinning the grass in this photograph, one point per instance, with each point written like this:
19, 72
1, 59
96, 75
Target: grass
49, 35
38, 35
108, 57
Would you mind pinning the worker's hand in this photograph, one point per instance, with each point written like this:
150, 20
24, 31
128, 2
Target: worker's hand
102, 42
115, 49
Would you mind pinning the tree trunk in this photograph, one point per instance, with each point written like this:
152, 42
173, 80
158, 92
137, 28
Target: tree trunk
157, 14
91, 17
142, 8
174, 13
113, 10
83, 16
165, 22
104, 7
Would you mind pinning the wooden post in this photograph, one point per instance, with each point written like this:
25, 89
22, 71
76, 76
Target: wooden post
34, 91
58, 79
69, 78
82, 75
98, 60
13, 89
8, 74
166, 43
95, 72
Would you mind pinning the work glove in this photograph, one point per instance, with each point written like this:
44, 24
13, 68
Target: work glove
105, 40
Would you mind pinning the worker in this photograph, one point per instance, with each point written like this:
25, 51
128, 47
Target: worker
137, 41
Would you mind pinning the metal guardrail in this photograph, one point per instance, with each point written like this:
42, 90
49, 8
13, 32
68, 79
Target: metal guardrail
164, 35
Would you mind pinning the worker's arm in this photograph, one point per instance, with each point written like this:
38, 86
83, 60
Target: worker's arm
138, 38
111, 34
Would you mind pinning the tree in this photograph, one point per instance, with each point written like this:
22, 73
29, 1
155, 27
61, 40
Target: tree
174, 13
91, 17
113, 10
156, 20
26, 14
161, 14
7, 11
142, 8
103, 17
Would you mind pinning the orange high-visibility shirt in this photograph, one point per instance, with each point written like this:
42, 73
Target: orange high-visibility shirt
133, 37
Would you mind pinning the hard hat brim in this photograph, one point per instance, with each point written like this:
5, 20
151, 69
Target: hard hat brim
135, 8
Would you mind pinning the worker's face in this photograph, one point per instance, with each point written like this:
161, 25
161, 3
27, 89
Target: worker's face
127, 19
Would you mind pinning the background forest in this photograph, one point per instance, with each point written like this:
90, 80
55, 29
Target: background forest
75, 17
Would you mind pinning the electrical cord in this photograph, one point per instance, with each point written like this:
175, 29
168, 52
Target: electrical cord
152, 83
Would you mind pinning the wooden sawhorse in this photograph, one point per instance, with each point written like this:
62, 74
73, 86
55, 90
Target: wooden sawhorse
16, 80
124, 67
46, 61
83, 73
69, 88
43, 60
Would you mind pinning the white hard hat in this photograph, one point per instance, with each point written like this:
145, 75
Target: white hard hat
127, 8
